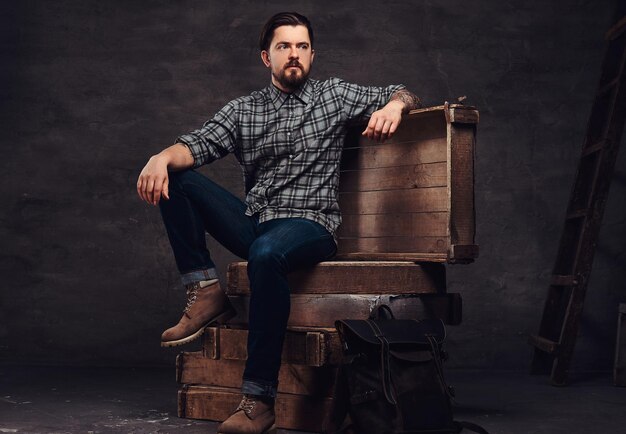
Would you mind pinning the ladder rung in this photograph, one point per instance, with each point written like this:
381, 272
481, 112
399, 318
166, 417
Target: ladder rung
616, 30
543, 344
579, 213
594, 148
563, 280
607, 87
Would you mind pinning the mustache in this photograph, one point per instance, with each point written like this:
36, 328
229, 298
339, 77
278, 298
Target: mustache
293, 63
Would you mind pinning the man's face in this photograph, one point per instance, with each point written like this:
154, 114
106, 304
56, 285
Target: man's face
289, 57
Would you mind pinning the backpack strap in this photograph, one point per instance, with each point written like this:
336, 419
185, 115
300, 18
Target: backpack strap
385, 369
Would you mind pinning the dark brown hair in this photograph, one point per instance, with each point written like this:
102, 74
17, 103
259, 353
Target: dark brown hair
282, 19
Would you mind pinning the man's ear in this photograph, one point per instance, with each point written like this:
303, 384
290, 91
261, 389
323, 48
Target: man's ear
312, 55
265, 57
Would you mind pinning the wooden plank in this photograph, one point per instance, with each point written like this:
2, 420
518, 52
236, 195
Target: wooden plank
394, 225
297, 412
415, 257
211, 342
545, 345
311, 347
395, 177
461, 139
192, 368
463, 254
394, 201
322, 310
414, 127
352, 277
395, 154
463, 115
386, 245
619, 366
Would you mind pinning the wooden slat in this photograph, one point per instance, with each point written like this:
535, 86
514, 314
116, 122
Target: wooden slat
351, 277
395, 178
313, 347
395, 154
394, 201
563, 280
543, 344
394, 225
414, 127
313, 310
211, 342
386, 245
463, 115
297, 412
434, 258
616, 29
192, 368
461, 139
619, 365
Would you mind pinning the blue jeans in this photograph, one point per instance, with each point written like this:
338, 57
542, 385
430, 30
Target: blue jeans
273, 249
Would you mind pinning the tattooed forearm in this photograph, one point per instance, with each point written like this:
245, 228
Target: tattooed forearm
410, 100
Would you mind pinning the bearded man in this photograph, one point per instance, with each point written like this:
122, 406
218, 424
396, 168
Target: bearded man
288, 139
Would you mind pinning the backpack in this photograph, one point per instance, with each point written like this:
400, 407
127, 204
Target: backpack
391, 380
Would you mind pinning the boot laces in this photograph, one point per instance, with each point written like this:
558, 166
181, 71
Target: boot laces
192, 295
247, 404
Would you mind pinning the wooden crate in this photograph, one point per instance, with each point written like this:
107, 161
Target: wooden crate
193, 368
310, 347
412, 197
297, 412
353, 277
322, 310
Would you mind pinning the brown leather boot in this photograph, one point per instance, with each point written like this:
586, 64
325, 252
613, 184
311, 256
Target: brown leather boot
252, 416
205, 305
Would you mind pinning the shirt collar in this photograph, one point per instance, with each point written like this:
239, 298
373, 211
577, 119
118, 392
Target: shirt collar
303, 93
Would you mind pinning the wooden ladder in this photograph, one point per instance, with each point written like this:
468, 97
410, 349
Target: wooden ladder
554, 345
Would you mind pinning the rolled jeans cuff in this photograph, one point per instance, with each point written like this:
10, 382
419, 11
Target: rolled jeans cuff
252, 387
198, 276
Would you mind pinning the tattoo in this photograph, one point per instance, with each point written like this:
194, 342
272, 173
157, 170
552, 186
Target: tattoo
410, 100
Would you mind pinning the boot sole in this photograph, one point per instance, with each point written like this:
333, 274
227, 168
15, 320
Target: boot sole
270, 430
219, 319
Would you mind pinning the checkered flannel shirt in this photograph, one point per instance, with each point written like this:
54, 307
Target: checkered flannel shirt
289, 145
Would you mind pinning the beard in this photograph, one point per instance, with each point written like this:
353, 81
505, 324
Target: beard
290, 79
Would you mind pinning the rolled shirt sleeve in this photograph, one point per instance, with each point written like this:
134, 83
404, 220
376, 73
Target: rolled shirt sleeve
361, 101
217, 137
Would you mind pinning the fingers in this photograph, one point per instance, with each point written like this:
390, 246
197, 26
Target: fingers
166, 190
381, 126
151, 188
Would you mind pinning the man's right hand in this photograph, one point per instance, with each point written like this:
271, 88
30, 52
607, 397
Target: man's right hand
153, 180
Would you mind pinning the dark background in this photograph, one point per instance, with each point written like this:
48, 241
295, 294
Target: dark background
91, 89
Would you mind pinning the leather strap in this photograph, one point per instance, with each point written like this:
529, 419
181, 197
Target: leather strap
388, 388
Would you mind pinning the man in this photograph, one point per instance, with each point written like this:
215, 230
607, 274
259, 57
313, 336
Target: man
288, 139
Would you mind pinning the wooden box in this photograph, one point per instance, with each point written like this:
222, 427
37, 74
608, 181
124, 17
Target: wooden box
411, 197
193, 368
310, 347
297, 412
337, 290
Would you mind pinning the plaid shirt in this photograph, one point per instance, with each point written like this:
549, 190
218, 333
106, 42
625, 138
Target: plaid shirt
289, 145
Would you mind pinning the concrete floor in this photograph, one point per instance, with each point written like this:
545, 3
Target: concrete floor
106, 400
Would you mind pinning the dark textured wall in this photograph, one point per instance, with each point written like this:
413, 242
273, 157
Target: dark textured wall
91, 89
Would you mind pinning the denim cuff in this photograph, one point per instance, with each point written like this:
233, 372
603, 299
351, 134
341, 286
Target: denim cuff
198, 276
252, 387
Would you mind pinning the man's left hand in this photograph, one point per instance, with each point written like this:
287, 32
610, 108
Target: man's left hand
384, 122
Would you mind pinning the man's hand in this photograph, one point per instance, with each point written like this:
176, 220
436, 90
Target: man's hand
153, 180
385, 121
